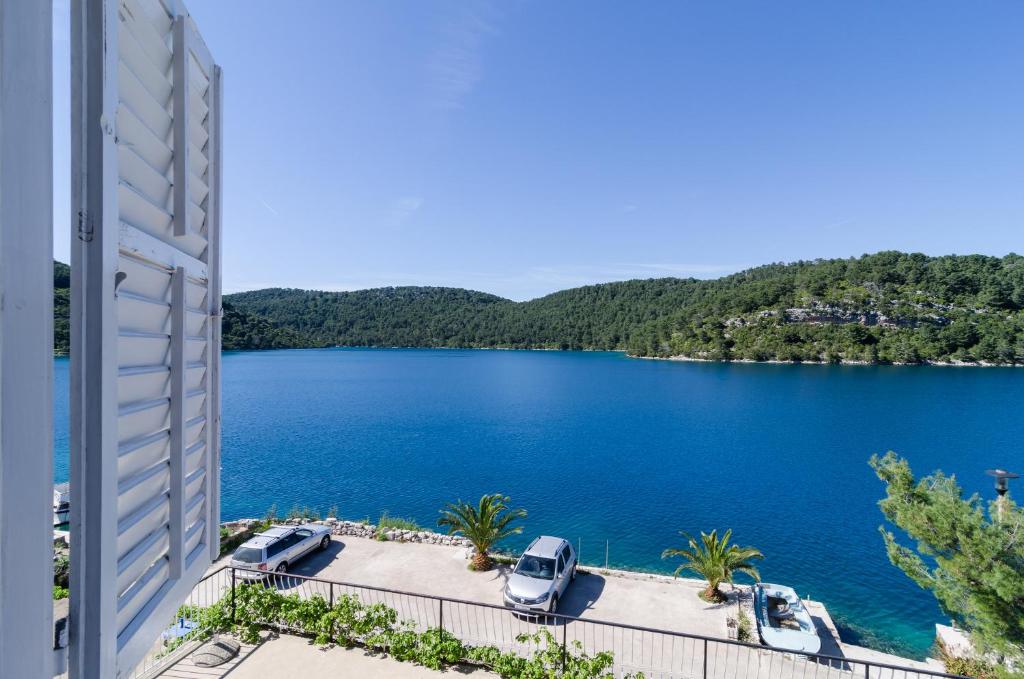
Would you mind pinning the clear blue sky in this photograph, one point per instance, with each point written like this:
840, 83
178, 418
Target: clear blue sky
524, 147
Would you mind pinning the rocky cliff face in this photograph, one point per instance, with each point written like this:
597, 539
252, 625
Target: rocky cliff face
821, 313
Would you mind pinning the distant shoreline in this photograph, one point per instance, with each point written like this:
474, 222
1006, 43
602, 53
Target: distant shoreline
681, 359
938, 364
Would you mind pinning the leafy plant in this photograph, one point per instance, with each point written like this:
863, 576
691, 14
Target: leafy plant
969, 667
376, 626
971, 557
332, 513
744, 627
483, 525
60, 593
61, 570
716, 560
387, 522
230, 541
304, 514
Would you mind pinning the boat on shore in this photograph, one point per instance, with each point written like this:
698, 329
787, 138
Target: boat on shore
61, 504
783, 621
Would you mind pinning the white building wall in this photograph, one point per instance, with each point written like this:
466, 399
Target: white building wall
26, 339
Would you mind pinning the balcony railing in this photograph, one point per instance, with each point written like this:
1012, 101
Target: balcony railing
658, 653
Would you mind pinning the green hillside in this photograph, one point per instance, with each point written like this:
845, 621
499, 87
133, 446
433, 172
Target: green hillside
888, 307
61, 308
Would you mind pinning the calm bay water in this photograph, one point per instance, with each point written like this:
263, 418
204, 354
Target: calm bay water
599, 447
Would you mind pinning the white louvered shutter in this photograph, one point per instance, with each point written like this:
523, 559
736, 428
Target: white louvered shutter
146, 314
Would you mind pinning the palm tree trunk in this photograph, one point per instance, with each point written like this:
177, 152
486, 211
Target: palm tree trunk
712, 593
482, 561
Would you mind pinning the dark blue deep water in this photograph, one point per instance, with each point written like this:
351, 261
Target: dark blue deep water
597, 447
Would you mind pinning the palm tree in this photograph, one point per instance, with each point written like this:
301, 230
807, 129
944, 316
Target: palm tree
716, 560
482, 525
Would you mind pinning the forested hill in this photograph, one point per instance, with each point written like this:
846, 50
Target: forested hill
592, 317
887, 307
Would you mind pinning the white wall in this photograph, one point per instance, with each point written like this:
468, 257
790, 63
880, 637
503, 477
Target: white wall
26, 339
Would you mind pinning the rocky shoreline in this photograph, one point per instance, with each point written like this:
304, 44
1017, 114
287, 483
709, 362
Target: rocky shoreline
941, 364
340, 527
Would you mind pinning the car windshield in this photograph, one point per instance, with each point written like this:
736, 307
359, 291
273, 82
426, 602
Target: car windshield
536, 567
248, 555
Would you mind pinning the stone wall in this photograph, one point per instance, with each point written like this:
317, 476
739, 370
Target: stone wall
357, 529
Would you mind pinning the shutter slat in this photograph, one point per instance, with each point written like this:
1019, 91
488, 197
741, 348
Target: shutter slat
156, 196
134, 133
152, 40
140, 557
134, 56
140, 592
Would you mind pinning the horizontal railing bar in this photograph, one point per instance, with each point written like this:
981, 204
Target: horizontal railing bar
618, 625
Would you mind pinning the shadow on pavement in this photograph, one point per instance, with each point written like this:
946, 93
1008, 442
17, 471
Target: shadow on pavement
581, 594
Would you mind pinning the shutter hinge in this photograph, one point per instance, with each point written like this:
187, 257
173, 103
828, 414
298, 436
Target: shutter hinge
84, 226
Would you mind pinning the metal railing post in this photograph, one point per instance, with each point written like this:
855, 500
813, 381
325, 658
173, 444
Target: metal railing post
705, 659
330, 636
565, 648
440, 614
232, 596
867, 670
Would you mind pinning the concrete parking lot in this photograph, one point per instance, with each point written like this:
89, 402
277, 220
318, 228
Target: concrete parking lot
658, 602
438, 570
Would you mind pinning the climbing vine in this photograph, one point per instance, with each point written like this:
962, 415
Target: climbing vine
376, 626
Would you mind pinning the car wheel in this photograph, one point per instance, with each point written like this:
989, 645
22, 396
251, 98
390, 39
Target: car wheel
573, 576
554, 608
325, 542
282, 567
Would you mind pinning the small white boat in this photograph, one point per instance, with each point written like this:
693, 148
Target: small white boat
61, 504
783, 621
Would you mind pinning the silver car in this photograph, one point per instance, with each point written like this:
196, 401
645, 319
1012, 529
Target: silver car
277, 548
541, 576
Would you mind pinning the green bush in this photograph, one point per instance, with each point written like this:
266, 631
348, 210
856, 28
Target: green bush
744, 627
387, 522
60, 592
61, 570
304, 514
229, 542
376, 626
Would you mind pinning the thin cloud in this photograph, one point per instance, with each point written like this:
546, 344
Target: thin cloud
405, 207
270, 209
455, 67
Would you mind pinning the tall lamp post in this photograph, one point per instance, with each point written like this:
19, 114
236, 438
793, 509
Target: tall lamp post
1002, 478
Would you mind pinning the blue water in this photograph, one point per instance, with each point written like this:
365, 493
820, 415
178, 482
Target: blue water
597, 447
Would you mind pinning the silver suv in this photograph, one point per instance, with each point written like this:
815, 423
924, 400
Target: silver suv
541, 575
276, 548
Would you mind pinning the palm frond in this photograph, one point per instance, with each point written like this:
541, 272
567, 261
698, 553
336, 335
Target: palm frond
484, 524
714, 559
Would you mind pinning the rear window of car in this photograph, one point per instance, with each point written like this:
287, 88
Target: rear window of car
248, 555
